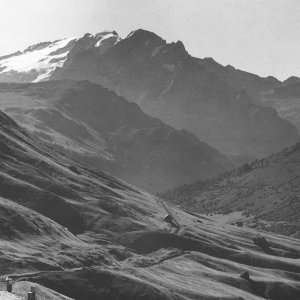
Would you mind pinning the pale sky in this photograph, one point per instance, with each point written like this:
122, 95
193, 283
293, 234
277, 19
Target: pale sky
259, 36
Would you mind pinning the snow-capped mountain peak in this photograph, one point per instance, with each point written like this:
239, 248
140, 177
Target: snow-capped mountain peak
37, 62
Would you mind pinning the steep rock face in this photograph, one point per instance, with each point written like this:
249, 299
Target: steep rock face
198, 95
94, 125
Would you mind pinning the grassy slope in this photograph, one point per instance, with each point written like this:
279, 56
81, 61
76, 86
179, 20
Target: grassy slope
122, 248
268, 189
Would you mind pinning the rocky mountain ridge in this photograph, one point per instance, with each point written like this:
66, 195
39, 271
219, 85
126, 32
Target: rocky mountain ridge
221, 105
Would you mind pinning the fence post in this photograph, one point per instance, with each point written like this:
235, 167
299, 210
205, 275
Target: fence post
32, 289
29, 296
8, 285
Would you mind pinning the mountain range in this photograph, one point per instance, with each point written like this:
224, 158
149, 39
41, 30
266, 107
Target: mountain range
221, 105
89, 126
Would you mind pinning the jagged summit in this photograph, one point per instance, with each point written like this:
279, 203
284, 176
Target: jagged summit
38, 62
152, 40
292, 79
180, 47
142, 33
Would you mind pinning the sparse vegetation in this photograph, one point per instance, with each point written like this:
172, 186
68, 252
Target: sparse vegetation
240, 190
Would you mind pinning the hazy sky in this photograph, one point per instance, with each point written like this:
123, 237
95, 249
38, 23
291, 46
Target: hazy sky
260, 36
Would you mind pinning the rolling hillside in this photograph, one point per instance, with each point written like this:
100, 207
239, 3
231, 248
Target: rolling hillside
117, 245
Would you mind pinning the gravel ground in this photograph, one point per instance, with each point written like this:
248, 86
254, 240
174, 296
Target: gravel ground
9, 296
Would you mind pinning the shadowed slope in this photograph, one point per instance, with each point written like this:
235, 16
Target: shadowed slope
95, 126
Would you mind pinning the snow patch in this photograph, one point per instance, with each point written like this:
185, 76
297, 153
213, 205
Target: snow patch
39, 61
106, 37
